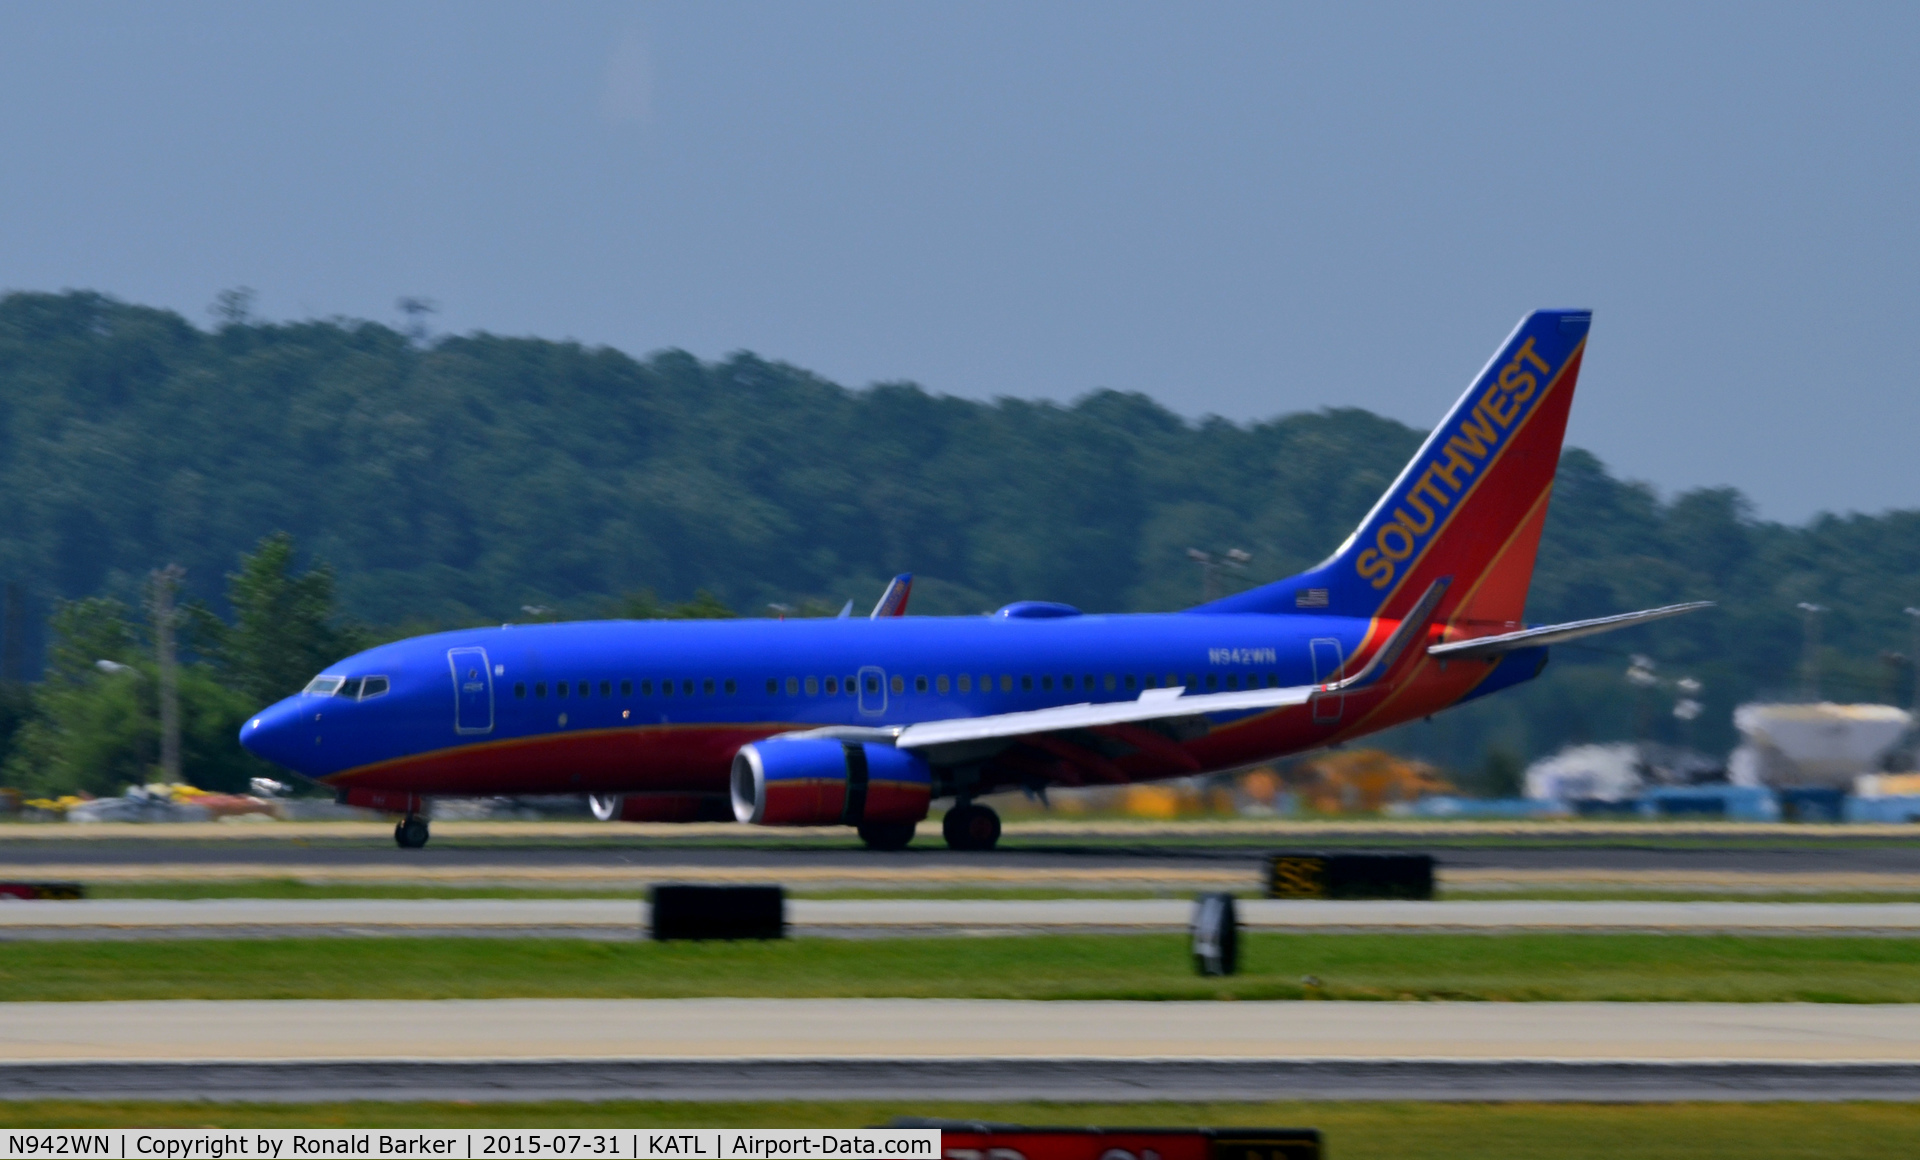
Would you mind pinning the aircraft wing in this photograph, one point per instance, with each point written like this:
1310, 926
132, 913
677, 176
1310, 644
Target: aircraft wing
1488, 646
1151, 705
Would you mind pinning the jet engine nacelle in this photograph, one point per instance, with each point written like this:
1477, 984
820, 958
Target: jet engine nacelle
817, 782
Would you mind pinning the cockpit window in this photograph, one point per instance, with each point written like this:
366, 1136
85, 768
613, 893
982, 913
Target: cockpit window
324, 686
373, 688
350, 689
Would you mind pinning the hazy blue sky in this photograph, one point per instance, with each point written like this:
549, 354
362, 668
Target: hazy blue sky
1239, 209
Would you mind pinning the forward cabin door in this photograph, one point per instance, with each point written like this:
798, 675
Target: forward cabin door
472, 690
1326, 663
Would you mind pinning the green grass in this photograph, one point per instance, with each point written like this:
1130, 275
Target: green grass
1352, 1131
1511, 967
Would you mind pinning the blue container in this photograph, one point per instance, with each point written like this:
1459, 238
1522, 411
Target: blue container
1733, 803
1812, 805
1901, 808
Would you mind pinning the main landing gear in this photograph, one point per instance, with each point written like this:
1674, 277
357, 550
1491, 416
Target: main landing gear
886, 835
410, 833
971, 827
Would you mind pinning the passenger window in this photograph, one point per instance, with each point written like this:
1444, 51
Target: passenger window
813, 686
1026, 684
966, 683
941, 683
1006, 683
1107, 682
1213, 681
898, 685
873, 684
1087, 683
1233, 680
626, 688
540, 690
732, 686
850, 685
1193, 682
773, 685
646, 688
1149, 681
833, 686
1066, 682
378, 685
793, 686
560, 688
919, 684
586, 688
1129, 683
520, 689
606, 688
666, 687
706, 687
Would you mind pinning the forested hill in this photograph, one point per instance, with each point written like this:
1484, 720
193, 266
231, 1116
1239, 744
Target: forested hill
460, 480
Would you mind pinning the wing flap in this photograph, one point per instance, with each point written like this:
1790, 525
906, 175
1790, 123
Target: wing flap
1487, 646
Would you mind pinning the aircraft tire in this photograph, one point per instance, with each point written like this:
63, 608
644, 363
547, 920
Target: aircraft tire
886, 835
411, 833
971, 827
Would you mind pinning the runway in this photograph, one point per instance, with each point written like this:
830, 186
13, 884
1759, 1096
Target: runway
1170, 857
900, 1048
627, 919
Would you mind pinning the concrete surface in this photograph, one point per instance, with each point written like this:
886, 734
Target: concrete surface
978, 1049
530, 1029
617, 918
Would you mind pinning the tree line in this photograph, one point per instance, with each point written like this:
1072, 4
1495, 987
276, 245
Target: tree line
478, 479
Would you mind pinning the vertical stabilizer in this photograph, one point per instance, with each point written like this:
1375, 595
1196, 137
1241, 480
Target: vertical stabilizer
1471, 503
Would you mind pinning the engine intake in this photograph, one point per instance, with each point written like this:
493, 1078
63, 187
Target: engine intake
818, 782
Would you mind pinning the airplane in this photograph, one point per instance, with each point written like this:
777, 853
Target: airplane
867, 722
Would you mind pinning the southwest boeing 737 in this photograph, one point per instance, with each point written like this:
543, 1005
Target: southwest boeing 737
866, 722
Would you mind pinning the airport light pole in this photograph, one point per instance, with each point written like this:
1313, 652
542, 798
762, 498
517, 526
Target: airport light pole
164, 583
1810, 657
1913, 661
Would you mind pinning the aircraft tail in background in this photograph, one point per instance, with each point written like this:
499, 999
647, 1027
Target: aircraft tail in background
1469, 506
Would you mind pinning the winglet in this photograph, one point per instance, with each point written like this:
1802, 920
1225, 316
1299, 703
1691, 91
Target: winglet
893, 602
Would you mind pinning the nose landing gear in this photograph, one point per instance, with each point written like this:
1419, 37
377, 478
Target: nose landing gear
410, 833
971, 827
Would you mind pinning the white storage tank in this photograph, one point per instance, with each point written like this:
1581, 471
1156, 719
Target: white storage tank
1816, 745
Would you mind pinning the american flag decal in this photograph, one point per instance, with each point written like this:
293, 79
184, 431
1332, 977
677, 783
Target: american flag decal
1310, 598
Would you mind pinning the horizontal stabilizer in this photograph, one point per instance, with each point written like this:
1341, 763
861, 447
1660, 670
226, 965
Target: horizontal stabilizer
1488, 646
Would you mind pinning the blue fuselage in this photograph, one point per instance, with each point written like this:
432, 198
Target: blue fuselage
512, 687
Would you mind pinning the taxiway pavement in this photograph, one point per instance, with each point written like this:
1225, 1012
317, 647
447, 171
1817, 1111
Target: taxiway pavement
627, 918
881, 1048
